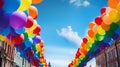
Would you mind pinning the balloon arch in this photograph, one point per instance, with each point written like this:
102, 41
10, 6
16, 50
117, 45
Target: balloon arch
102, 32
18, 27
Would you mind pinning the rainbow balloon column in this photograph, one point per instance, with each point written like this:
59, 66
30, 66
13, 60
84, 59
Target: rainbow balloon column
19, 28
102, 32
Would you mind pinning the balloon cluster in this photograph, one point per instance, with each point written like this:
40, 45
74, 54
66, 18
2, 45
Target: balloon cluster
102, 32
18, 27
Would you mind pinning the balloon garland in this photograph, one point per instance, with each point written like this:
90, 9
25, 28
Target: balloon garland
101, 34
18, 27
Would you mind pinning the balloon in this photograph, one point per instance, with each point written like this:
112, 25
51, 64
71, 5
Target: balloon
37, 30
4, 20
118, 8
106, 19
2, 38
25, 4
114, 16
99, 37
26, 12
18, 20
115, 36
20, 31
91, 25
6, 31
105, 26
85, 40
25, 36
107, 39
113, 3
98, 20
103, 10
28, 43
11, 5
91, 33
36, 1
33, 12
118, 30
1, 3
36, 40
113, 26
21, 47
18, 39
29, 22
101, 31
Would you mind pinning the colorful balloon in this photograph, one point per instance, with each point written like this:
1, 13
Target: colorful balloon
114, 16
25, 4
106, 19
20, 31
36, 40
103, 10
98, 20
10, 6
113, 3
37, 30
4, 20
29, 23
18, 20
33, 12
6, 31
36, 1
28, 43
18, 39
101, 31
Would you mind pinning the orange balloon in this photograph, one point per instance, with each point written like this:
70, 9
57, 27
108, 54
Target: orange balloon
36, 1
91, 25
105, 26
113, 3
106, 19
91, 33
33, 12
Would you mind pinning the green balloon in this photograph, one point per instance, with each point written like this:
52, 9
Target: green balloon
99, 37
109, 33
25, 36
113, 26
34, 47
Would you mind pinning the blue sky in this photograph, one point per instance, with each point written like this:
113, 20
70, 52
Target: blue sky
64, 23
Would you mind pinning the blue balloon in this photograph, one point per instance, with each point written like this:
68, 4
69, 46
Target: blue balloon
107, 39
118, 30
28, 43
20, 31
11, 5
6, 31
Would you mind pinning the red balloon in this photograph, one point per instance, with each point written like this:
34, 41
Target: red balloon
37, 30
1, 3
98, 20
103, 10
85, 40
30, 22
18, 39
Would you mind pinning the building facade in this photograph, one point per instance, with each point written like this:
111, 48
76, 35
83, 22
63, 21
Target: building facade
6, 55
110, 57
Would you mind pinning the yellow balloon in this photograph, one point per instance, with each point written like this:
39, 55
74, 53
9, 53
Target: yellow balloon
114, 16
90, 39
2, 38
25, 4
118, 8
38, 47
101, 31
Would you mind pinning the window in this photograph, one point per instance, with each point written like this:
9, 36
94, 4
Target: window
116, 64
115, 53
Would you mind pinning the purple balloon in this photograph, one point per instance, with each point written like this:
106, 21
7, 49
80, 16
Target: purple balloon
36, 40
18, 20
4, 20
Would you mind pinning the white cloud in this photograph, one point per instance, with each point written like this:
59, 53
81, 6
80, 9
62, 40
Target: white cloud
79, 3
69, 34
